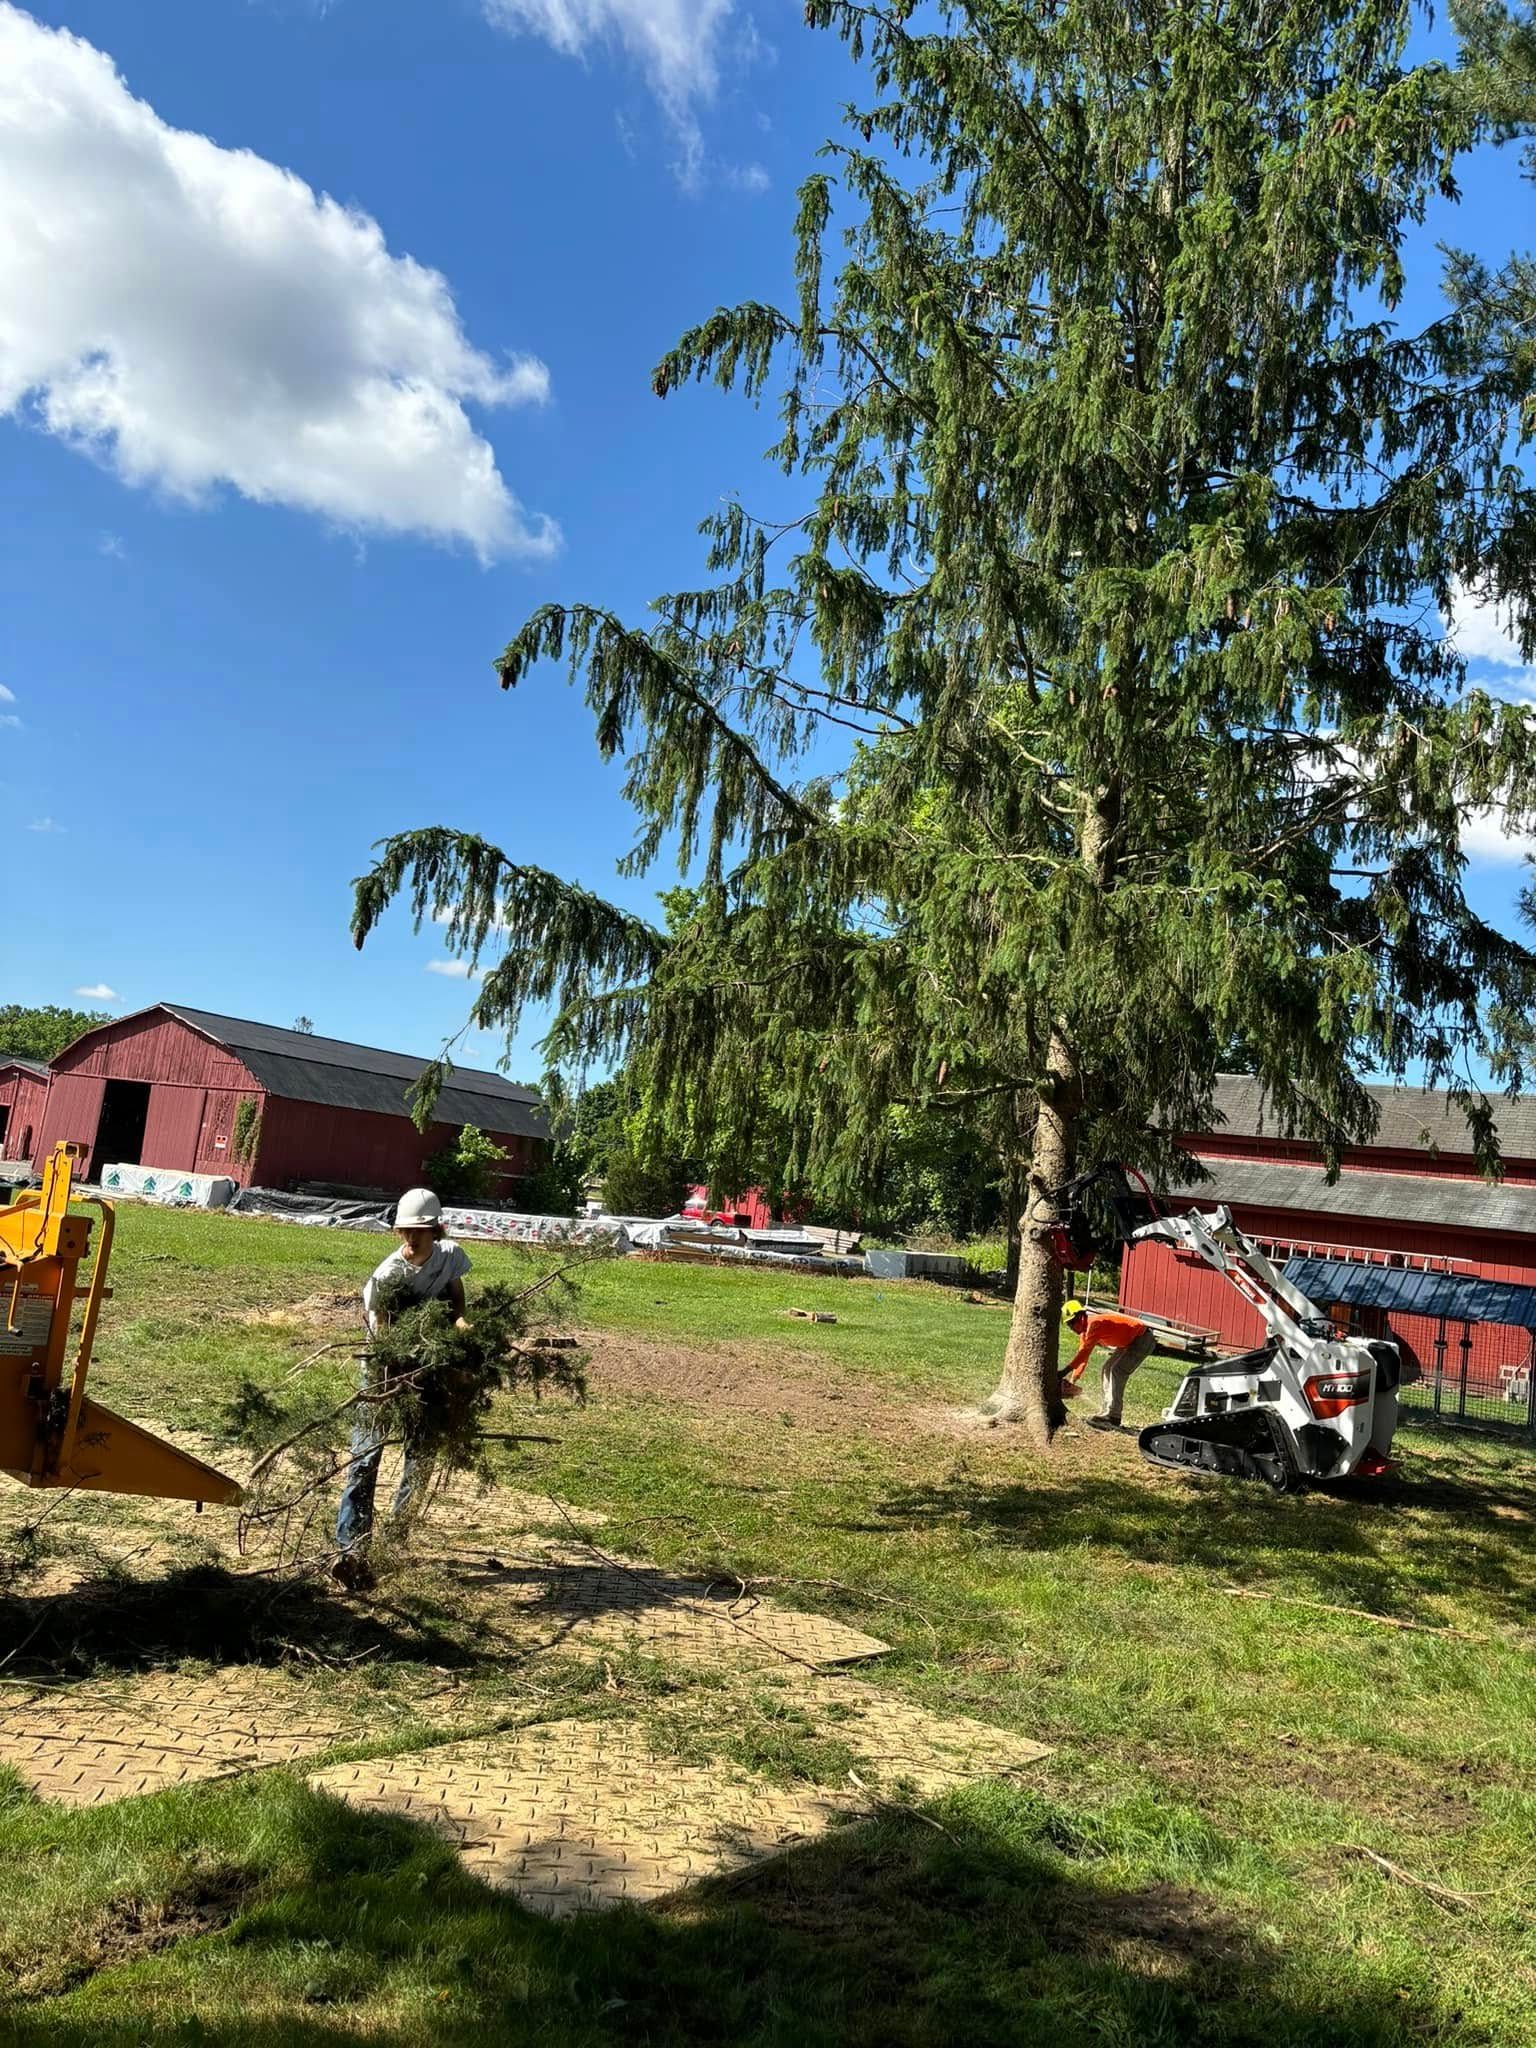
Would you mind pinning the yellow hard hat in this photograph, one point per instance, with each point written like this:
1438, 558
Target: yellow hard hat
1073, 1309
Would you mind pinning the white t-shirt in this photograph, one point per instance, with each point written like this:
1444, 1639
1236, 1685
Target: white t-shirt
447, 1261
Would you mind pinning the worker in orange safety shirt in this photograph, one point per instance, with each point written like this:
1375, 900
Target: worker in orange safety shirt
1127, 1341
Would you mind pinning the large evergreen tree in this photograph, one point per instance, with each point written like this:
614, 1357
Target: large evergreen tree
1129, 514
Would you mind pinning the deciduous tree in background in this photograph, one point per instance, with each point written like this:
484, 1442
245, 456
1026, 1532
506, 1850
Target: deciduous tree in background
1129, 520
42, 1033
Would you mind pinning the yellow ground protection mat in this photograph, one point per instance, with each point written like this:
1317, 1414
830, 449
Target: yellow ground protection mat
576, 1600
83, 1745
577, 1815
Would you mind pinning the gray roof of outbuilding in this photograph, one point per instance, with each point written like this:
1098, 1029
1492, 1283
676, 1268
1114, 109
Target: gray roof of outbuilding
303, 1067
37, 1068
1425, 1198
1411, 1119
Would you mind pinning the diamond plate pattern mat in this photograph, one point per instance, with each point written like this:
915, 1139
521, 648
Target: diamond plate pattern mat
584, 1814
579, 1815
582, 1601
151, 1733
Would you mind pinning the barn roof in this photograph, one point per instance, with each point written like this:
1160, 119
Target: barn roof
304, 1067
36, 1068
1411, 1119
1397, 1197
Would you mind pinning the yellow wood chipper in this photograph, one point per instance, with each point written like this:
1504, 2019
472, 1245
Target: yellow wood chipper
51, 1432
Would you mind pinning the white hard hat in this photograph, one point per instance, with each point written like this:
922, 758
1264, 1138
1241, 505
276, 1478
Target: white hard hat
419, 1209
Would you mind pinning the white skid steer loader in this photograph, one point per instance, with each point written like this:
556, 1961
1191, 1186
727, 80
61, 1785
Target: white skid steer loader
1308, 1405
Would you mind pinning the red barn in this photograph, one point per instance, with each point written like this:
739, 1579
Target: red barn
23, 1091
1408, 1240
199, 1093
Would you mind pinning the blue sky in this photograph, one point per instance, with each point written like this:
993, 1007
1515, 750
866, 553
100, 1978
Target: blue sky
238, 649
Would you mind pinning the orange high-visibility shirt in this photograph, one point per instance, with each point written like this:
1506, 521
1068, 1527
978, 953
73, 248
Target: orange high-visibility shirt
1112, 1331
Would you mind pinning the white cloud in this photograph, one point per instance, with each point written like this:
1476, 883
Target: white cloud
46, 825
1486, 836
114, 545
7, 696
677, 44
1483, 631
198, 316
456, 970
9, 718
98, 992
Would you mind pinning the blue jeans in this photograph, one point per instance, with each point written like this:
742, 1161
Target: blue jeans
354, 1518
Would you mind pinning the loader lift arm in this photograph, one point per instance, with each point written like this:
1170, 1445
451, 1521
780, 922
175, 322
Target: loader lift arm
1216, 1239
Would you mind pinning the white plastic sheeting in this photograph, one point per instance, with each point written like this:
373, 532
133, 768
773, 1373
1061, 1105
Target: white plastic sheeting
501, 1226
164, 1184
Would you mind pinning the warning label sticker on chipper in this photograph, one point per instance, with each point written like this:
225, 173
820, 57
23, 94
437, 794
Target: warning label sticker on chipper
24, 1321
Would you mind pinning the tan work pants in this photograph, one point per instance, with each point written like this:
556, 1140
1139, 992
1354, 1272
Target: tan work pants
1117, 1369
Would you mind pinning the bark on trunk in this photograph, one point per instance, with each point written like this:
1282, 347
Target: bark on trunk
1015, 1244
1028, 1390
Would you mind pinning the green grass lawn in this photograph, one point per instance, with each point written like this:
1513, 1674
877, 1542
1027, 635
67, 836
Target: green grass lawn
1187, 1866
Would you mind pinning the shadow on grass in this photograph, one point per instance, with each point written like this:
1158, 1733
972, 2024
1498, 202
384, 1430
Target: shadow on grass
473, 1614
894, 1933
1353, 1547
221, 1617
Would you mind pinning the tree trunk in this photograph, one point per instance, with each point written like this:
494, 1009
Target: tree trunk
1028, 1391
1016, 1195
1030, 1388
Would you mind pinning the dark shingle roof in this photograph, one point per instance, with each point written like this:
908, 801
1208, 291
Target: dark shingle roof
1411, 1119
1428, 1198
305, 1068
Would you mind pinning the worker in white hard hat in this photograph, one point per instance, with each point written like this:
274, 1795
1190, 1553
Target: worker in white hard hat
431, 1267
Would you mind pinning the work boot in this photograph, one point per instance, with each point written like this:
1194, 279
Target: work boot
352, 1571
1103, 1422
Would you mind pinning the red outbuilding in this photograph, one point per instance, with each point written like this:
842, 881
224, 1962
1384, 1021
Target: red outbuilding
1408, 1240
23, 1092
195, 1092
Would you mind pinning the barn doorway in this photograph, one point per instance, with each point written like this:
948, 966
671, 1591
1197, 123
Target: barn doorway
120, 1133
5, 1124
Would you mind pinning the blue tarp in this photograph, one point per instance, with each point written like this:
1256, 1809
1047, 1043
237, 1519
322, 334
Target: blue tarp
1459, 1297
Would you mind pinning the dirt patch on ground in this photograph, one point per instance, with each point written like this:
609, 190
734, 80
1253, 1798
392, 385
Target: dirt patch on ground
738, 1379
1167, 1930
1408, 1796
330, 1313
810, 1391
129, 1928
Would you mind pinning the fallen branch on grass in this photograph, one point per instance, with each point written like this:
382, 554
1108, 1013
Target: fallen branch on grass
883, 1805
1440, 1893
1427, 1628
853, 1592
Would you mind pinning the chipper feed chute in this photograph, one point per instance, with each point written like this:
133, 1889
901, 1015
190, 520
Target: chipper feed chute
51, 1434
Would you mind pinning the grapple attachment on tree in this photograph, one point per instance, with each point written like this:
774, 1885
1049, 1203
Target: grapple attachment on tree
1094, 1213
51, 1432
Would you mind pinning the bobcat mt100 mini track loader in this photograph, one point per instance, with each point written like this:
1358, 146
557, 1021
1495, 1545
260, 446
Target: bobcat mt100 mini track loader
51, 1432
1308, 1405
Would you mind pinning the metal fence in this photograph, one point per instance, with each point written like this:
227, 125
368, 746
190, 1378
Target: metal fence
1459, 1387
